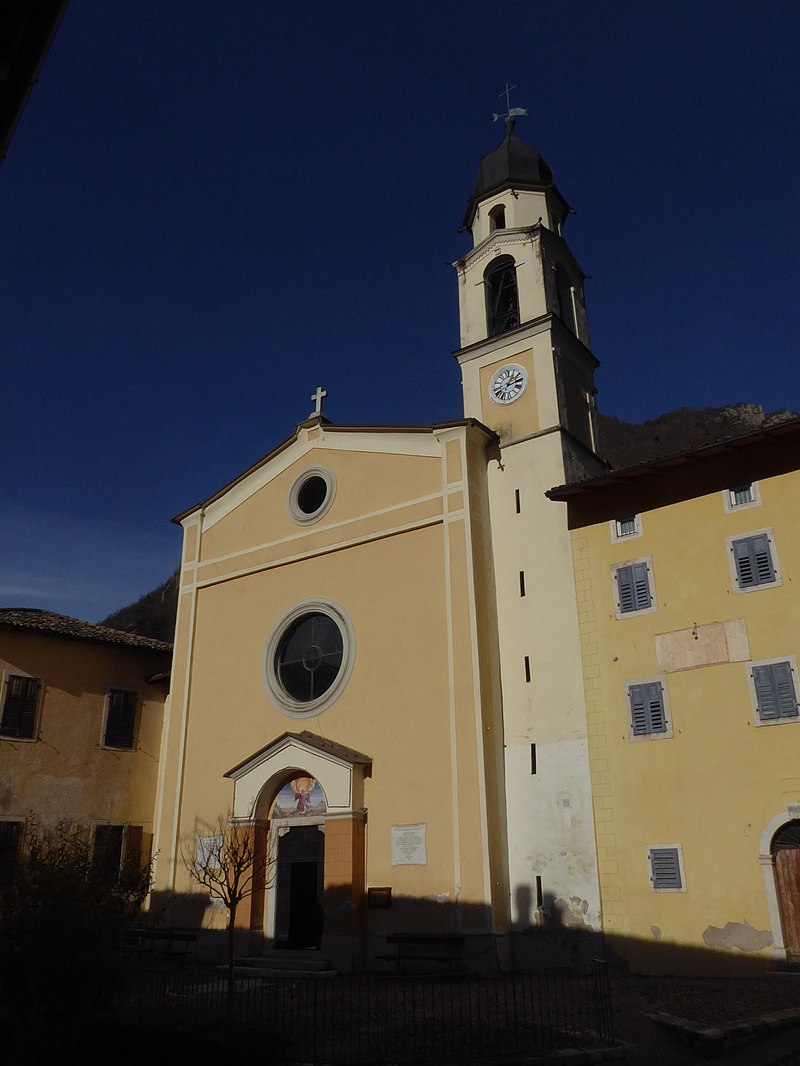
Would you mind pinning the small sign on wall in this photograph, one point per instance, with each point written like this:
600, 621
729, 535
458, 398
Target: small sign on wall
408, 845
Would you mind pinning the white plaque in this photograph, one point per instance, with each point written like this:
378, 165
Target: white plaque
408, 845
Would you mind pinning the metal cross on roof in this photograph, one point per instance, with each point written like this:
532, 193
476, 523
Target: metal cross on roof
511, 112
317, 398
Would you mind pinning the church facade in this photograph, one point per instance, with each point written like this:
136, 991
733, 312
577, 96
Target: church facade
369, 654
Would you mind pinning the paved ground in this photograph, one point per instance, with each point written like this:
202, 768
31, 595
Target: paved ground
711, 1002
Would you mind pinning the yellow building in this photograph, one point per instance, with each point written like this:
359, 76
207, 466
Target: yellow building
369, 645
81, 713
686, 573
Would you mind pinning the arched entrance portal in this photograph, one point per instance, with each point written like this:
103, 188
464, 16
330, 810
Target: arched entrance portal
785, 851
304, 796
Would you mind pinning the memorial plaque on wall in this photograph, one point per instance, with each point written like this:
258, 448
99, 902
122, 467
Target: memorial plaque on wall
408, 845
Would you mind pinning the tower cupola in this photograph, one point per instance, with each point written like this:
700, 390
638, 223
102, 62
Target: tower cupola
513, 167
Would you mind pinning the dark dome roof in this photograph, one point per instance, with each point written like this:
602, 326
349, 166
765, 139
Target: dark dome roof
512, 164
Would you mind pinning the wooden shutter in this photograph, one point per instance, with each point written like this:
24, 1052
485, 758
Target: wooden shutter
19, 707
753, 561
647, 708
633, 586
665, 868
775, 693
120, 718
133, 846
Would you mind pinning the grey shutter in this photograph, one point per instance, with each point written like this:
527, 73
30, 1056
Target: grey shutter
633, 587
753, 561
624, 577
19, 708
762, 560
665, 868
647, 708
775, 693
641, 586
120, 719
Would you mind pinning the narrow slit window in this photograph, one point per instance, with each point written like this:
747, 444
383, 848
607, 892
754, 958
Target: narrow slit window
528, 669
522, 582
533, 759
517, 500
539, 892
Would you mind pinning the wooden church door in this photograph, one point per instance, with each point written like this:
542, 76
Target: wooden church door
786, 852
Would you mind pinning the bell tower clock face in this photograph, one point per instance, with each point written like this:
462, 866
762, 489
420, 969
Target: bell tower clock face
508, 383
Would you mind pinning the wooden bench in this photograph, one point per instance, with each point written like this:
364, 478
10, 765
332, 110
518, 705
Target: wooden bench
170, 941
425, 947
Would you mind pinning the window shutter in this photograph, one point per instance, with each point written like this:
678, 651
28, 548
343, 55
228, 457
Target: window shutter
133, 846
641, 586
753, 561
775, 693
120, 719
665, 868
19, 709
762, 559
633, 587
647, 708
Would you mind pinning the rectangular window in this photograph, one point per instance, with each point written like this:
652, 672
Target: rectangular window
522, 582
10, 837
533, 759
118, 848
666, 874
752, 558
775, 693
647, 706
625, 526
20, 703
633, 587
517, 500
740, 495
120, 718
527, 669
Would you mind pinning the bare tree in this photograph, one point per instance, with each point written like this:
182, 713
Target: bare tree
226, 861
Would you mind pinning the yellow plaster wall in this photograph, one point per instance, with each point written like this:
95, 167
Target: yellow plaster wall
67, 773
407, 596
365, 483
715, 784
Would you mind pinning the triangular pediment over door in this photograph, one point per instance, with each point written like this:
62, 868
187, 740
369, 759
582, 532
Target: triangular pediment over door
339, 770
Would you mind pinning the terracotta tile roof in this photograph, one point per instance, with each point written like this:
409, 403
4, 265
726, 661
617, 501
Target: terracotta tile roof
60, 625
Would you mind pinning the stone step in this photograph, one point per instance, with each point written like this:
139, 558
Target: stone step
286, 962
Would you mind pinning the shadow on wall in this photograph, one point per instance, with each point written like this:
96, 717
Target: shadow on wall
364, 939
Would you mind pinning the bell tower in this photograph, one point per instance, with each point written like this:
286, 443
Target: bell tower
528, 374
525, 358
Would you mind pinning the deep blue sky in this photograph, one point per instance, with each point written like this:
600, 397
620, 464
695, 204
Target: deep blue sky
210, 208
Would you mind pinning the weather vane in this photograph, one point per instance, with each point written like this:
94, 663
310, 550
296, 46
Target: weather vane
511, 112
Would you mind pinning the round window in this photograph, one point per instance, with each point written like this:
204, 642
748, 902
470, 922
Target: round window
311, 494
309, 657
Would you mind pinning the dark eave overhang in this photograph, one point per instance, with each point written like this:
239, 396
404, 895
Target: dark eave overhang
704, 456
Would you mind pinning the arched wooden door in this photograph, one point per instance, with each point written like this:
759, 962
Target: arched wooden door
786, 857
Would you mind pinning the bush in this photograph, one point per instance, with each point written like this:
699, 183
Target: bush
62, 919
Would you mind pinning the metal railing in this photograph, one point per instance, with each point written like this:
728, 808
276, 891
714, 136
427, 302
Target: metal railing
351, 1019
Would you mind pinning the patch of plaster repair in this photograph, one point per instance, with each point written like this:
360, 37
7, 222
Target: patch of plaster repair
740, 936
654, 929
572, 913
